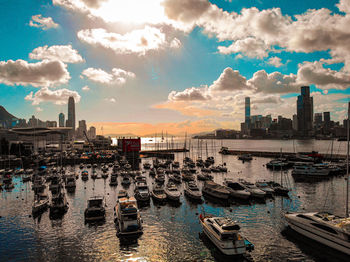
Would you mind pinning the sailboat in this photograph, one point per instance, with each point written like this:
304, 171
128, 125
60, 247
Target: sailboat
323, 227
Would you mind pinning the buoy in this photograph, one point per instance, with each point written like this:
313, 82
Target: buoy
107, 193
298, 196
268, 211
85, 187
22, 198
196, 213
30, 215
230, 209
16, 196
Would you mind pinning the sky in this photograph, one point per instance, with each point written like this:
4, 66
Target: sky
176, 66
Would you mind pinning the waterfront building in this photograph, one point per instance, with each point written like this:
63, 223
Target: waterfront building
305, 111
247, 112
295, 122
92, 132
81, 129
51, 123
61, 120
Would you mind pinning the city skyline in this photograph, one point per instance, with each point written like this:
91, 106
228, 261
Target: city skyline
147, 72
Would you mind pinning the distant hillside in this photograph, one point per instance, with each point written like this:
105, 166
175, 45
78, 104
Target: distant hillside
6, 116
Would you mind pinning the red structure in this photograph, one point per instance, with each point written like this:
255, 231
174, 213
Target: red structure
129, 144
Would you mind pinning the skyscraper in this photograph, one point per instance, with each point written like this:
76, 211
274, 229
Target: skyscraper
305, 111
61, 120
81, 129
71, 113
247, 112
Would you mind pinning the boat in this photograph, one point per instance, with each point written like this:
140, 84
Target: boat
309, 171
146, 165
141, 191
94, 174
81, 166
38, 184
253, 189
237, 190
70, 183
113, 180
104, 175
122, 193
41, 202
264, 186
225, 234
84, 175
323, 227
127, 217
245, 157
158, 194
278, 189
95, 209
204, 176
188, 176
126, 181
192, 191
59, 204
215, 190
172, 192
176, 178
160, 178
26, 178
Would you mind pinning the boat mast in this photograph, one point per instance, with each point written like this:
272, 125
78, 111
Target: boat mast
347, 166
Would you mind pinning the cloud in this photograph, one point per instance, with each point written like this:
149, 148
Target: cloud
40, 74
186, 108
58, 97
111, 100
250, 47
229, 80
85, 88
117, 76
275, 61
315, 73
138, 41
190, 94
185, 10
274, 82
42, 22
344, 6
38, 109
64, 53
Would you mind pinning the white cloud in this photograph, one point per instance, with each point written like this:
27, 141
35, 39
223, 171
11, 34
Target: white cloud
138, 41
44, 73
190, 94
274, 82
117, 76
85, 88
42, 22
64, 53
58, 97
229, 80
275, 61
344, 6
111, 100
315, 73
250, 47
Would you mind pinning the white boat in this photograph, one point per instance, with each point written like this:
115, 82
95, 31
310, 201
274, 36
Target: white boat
41, 202
253, 189
323, 227
158, 194
127, 217
237, 190
192, 191
215, 190
141, 191
172, 192
95, 209
264, 186
306, 170
225, 235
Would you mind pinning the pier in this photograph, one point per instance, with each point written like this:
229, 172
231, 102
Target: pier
269, 154
163, 153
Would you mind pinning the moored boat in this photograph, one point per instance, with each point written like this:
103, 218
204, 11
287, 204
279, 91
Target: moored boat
95, 209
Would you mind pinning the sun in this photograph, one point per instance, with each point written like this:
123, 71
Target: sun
132, 11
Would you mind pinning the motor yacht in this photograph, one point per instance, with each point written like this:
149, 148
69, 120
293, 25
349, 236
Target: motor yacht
237, 190
215, 190
172, 192
95, 209
192, 191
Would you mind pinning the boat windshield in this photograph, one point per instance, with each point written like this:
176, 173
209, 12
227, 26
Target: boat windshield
95, 202
130, 216
230, 236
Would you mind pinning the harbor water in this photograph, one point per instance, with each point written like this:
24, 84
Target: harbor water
172, 232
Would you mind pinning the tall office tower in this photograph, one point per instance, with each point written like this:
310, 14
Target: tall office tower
305, 111
81, 129
92, 132
71, 113
61, 120
247, 112
295, 122
326, 117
